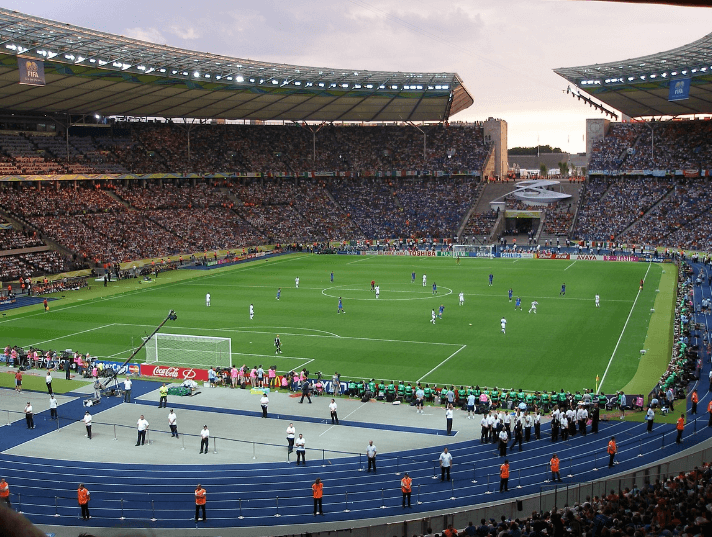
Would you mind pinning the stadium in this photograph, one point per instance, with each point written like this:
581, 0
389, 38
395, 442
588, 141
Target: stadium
235, 236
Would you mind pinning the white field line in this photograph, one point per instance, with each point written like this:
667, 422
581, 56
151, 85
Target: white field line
143, 290
300, 366
358, 260
571, 265
238, 330
74, 334
441, 363
610, 361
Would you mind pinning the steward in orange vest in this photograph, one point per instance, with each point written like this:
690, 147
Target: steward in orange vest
83, 500
504, 476
680, 427
406, 487
612, 450
318, 492
695, 399
200, 498
554, 463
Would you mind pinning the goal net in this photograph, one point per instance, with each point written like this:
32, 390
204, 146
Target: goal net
192, 351
473, 250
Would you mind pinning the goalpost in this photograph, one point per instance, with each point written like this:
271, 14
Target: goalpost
473, 250
191, 351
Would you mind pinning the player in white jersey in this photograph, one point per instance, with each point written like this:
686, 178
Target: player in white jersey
534, 305
503, 323
432, 317
425, 279
462, 299
207, 299
378, 291
252, 311
598, 301
296, 282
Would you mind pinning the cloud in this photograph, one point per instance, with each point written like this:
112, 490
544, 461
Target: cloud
146, 34
184, 32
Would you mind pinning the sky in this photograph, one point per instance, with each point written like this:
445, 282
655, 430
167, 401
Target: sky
503, 50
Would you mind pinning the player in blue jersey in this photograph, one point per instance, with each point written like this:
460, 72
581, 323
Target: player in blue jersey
435, 288
518, 303
510, 294
412, 277
563, 289
341, 307
279, 292
332, 276
491, 277
440, 311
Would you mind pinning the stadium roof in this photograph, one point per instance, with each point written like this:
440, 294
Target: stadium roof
640, 86
90, 72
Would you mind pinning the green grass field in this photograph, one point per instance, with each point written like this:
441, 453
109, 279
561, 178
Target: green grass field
565, 345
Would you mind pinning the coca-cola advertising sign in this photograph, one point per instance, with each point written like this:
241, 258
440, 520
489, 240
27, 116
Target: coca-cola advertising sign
552, 255
174, 373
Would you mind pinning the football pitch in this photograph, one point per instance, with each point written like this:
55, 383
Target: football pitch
566, 344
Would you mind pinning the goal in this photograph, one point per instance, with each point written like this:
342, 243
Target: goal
473, 250
191, 351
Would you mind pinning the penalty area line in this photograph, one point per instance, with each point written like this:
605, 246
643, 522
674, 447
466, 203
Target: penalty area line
441, 363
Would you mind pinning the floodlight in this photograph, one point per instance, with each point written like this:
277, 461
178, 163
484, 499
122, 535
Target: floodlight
196, 74
239, 78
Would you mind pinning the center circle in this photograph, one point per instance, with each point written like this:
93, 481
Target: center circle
385, 293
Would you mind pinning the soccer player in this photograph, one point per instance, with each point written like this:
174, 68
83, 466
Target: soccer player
440, 311
641, 284
510, 294
378, 291
598, 301
296, 282
563, 290
491, 278
425, 279
279, 292
503, 323
332, 276
373, 286
207, 299
534, 305
462, 299
278, 345
252, 311
412, 277
435, 288
432, 317
518, 304
341, 307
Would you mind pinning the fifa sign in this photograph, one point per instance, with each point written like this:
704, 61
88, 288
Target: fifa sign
679, 89
31, 71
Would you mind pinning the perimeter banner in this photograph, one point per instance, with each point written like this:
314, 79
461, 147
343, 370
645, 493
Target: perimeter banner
31, 71
552, 255
175, 373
